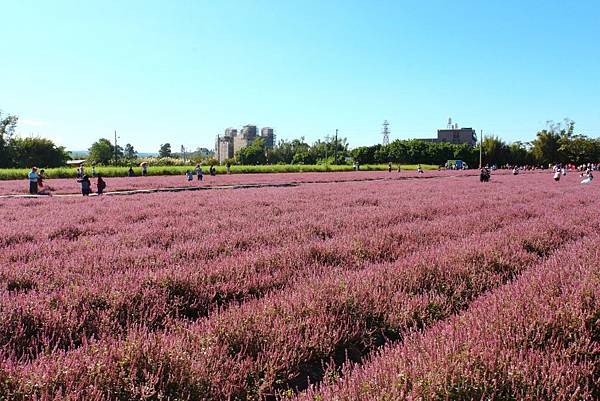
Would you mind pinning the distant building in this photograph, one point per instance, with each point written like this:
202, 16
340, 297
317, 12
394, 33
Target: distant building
224, 146
457, 135
454, 134
268, 135
231, 132
228, 144
248, 132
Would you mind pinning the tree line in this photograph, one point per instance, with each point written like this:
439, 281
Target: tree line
29, 151
557, 143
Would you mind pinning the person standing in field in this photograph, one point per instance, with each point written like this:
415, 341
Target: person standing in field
41, 178
33, 181
144, 169
100, 184
130, 172
189, 175
399, 169
199, 172
81, 170
419, 169
389, 167
228, 167
86, 185
557, 175
93, 170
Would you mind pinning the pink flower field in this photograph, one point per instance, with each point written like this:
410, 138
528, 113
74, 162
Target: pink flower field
71, 186
348, 286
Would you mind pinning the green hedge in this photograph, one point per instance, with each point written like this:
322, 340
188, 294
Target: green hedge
109, 171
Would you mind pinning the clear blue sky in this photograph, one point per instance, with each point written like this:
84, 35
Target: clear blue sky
182, 71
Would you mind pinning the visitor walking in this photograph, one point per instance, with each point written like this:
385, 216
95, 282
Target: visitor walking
484, 175
588, 177
42, 189
33, 181
389, 167
41, 178
557, 175
100, 185
399, 169
86, 185
419, 169
199, 172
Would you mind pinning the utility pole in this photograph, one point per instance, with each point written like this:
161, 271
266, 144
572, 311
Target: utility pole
335, 148
480, 149
116, 149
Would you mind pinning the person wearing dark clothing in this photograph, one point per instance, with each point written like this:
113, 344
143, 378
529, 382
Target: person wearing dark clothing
101, 184
33, 181
130, 172
86, 185
389, 167
213, 170
41, 178
484, 175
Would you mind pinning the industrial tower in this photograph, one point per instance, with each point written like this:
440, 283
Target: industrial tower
386, 132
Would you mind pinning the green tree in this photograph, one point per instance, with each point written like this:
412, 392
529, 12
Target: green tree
579, 149
8, 124
253, 153
519, 154
285, 151
102, 151
546, 147
38, 152
494, 151
165, 150
365, 154
130, 152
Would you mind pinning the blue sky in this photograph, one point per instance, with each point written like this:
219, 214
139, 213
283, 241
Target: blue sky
182, 71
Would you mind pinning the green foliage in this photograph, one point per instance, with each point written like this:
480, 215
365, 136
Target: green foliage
8, 124
103, 152
415, 151
121, 171
38, 152
130, 153
254, 153
366, 154
297, 151
165, 150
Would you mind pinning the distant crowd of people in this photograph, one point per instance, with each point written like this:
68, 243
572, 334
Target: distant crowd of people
37, 178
